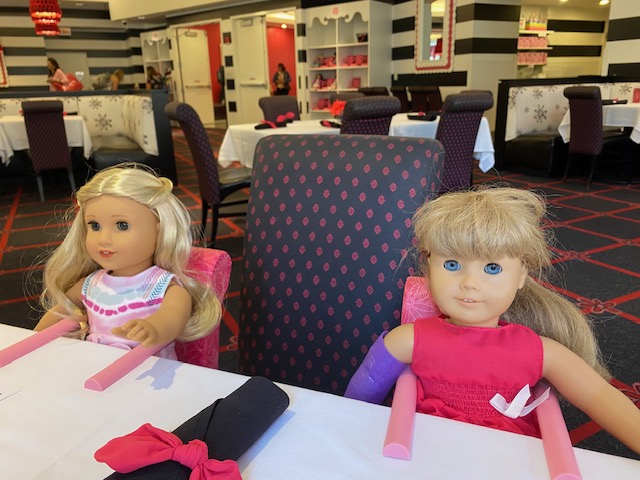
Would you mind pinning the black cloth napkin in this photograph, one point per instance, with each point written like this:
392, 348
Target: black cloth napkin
229, 427
264, 125
425, 117
329, 124
614, 102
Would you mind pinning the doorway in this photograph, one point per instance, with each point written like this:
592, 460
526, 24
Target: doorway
262, 41
199, 77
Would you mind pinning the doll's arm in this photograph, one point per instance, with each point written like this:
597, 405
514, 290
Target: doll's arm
164, 325
588, 391
385, 361
57, 313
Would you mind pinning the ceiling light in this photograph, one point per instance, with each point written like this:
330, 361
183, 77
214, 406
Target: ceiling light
603, 2
284, 25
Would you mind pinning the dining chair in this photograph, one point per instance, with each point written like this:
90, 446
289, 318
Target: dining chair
215, 184
369, 115
346, 96
433, 96
457, 131
587, 137
373, 91
213, 268
274, 107
48, 147
326, 251
419, 101
400, 92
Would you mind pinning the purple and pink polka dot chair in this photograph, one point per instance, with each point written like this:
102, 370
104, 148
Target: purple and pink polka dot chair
369, 115
327, 249
457, 131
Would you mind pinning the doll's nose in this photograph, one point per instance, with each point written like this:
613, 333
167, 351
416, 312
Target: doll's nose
469, 281
104, 237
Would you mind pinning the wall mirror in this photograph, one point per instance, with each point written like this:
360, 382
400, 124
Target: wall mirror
435, 24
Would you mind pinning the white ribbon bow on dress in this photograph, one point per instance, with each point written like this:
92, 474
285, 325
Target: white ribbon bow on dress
518, 407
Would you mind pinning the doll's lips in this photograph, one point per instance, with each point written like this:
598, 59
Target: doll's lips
105, 253
467, 300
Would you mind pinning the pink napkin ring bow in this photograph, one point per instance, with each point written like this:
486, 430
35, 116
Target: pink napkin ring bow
289, 116
149, 445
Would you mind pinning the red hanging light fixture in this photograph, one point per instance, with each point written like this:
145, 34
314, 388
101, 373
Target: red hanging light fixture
45, 15
47, 30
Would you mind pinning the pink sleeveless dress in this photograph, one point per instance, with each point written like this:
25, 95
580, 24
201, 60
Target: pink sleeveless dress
460, 369
112, 301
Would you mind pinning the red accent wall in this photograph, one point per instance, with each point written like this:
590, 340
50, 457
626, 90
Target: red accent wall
213, 37
281, 48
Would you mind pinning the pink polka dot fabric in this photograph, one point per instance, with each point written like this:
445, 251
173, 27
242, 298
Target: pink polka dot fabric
323, 268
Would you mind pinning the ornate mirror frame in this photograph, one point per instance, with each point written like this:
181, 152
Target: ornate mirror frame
425, 60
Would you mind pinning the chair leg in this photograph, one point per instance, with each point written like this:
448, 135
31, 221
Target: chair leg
72, 181
215, 217
567, 168
205, 213
592, 169
40, 188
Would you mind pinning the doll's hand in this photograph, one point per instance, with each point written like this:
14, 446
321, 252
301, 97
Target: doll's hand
141, 331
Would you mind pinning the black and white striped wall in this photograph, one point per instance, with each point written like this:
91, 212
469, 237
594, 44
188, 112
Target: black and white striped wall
108, 46
622, 51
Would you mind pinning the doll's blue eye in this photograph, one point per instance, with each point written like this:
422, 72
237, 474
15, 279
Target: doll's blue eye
492, 268
95, 226
123, 226
451, 265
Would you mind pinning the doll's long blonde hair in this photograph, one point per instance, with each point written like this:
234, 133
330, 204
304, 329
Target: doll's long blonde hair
491, 222
71, 262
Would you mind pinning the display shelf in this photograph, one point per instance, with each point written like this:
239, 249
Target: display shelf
341, 34
156, 51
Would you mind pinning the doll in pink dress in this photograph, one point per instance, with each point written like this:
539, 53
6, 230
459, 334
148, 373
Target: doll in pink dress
500, 331
121, 268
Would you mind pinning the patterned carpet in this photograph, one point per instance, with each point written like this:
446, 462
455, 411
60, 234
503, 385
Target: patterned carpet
597, 258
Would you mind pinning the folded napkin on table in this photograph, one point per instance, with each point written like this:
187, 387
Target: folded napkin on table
266, 124
424, 116
330, 124
228, 427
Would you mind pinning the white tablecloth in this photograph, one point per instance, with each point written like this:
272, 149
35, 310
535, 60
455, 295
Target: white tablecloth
483, 150
620, 115
13, 135
239, 142
51, 426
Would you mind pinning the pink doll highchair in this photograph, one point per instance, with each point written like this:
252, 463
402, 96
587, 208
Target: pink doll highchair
417, 303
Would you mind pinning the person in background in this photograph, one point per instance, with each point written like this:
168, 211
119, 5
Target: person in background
282, 79
57, 79
115, 79
154, 79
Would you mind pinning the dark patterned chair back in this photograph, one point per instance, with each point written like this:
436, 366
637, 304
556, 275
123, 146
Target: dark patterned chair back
585, 108
434, 98
369, 115
457, 131
345, 96
47, 136
198, 141
373, 91
401, 94
323, 267
273, 107
418, 99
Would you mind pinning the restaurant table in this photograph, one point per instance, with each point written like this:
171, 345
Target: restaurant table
13, 135
618, 115
483, 151
50, 425
239, 142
